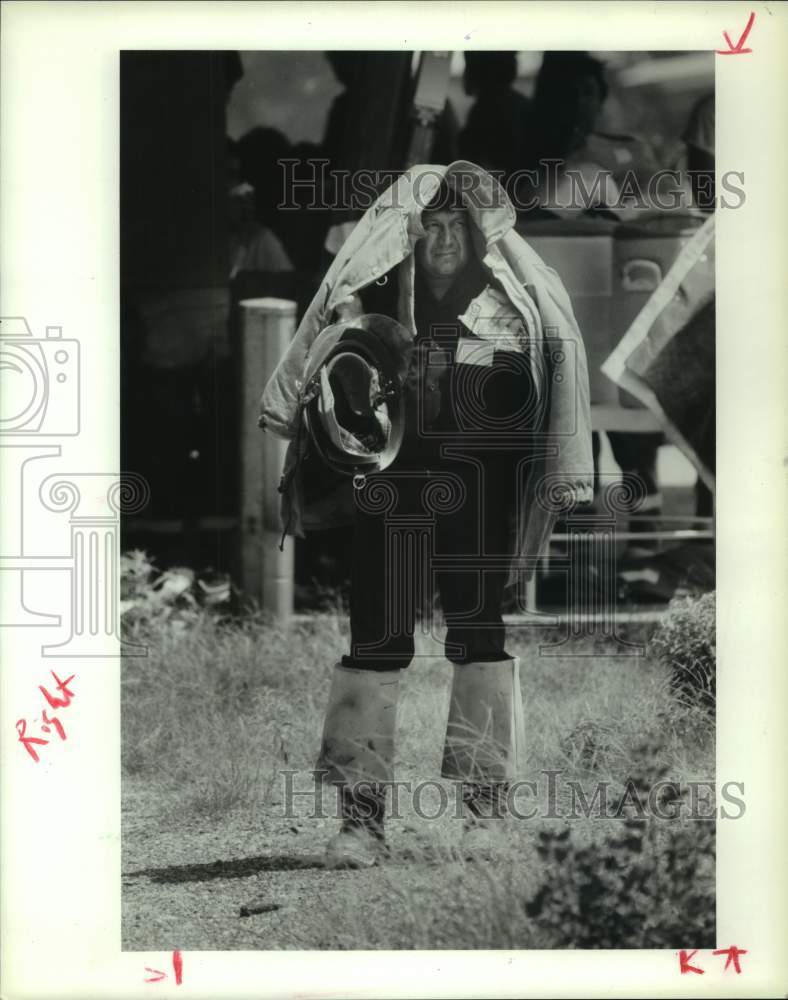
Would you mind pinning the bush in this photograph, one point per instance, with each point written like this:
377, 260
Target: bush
648, 885
685, 641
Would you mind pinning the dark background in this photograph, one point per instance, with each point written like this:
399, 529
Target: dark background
181, 115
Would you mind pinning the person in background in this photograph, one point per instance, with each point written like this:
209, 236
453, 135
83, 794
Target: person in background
569, 93
254, 246
257, 237
346, 67
290, 238
494, 135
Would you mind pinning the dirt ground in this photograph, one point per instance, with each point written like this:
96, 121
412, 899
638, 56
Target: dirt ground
205, 836
187, 887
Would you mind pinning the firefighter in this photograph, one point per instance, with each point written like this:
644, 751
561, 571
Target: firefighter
436, 395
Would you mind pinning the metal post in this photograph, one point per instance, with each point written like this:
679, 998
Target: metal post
266, 573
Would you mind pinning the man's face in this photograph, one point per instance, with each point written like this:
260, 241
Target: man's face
444, 251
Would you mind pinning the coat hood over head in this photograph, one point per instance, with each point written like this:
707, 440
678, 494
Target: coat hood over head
489, 208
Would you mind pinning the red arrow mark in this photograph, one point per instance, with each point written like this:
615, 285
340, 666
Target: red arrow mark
737, 50
733, 956
177, 964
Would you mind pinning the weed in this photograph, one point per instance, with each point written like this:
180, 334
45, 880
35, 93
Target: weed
685, 640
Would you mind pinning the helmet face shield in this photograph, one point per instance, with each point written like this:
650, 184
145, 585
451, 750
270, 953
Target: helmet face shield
353, 394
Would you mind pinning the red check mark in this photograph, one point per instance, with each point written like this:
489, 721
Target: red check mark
157, 975
737, 49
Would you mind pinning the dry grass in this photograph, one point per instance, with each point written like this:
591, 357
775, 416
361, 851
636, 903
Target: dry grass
215, 712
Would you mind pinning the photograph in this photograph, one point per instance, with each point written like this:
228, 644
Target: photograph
393, 472
417, 355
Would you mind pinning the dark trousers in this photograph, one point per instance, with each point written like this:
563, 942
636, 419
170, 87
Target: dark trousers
636, 455
447, 526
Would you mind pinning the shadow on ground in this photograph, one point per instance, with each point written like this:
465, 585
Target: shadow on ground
239, 868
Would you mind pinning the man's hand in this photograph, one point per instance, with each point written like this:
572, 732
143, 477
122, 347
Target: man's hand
349, 309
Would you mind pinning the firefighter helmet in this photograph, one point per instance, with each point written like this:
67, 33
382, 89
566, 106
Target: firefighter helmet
353, 392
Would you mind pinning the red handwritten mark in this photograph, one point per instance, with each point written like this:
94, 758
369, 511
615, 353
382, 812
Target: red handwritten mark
177, 965
53, 722
62, 686
54, 702
27, 741
684, 962
733, 956
738, 49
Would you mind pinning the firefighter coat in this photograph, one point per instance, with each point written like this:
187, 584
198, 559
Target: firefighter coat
534, 309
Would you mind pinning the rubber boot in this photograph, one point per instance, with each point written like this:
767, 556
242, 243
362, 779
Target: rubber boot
356, 755
485, 747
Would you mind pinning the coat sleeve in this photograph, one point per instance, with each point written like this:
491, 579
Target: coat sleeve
279, 402
568, 427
